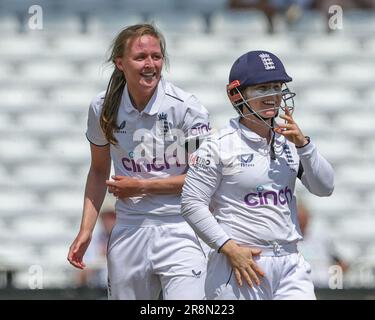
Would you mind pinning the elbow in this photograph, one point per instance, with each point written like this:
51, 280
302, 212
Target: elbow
185, 205
326, 190
98, 171
330, 187
190, 204
183, 209
330, 191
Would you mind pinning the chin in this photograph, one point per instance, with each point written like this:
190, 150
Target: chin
150, 84
268, 115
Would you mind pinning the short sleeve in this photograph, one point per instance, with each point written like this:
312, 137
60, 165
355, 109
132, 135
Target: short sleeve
94, 132
196, 121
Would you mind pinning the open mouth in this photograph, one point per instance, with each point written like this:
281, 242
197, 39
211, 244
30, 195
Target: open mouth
270, 103
148, 75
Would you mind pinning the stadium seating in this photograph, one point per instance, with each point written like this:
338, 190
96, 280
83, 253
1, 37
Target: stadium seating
48, 78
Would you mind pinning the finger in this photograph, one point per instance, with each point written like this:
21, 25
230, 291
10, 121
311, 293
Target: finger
74, 261
75, 249
70, 254
238, 277
110, 183
287, 112
289, 133
256, 252
247, 274
252, 276
258, 270
79, 262
77, 265
116, 178
287, 118
286, 126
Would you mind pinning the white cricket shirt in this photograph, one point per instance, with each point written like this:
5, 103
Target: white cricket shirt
251, 196
151, 142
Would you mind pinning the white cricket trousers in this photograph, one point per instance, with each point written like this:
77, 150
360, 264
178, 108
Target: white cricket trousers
151, 253
287, 277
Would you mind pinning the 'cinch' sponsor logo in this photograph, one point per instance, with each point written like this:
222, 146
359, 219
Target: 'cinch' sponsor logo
200, 128
142, 165
260, 198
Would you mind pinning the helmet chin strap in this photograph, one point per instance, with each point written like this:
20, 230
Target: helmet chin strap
286, 95
263, 120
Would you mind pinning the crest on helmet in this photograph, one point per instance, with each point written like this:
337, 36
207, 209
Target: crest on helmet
267, 61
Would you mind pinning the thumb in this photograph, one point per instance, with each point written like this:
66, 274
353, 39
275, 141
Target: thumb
255, 252
75, 249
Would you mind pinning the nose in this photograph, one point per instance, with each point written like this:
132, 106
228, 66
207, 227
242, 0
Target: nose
149, 62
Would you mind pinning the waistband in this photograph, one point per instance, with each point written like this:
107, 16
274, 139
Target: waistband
276, 249
148, 220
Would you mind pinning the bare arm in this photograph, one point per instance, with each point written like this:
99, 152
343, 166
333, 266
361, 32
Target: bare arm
124, 187
171, 185
94, 195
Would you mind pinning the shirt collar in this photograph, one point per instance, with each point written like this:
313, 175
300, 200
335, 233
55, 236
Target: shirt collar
152, 106
245, 131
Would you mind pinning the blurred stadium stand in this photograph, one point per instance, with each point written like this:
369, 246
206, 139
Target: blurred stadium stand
48, 78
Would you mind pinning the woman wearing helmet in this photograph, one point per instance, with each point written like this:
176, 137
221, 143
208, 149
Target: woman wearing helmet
246, 175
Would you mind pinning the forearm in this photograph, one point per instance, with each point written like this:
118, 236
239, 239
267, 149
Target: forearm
204, 224
195, 209
318, 174
94, 195
170, 185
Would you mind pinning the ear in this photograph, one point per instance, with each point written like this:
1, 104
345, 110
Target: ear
118, 62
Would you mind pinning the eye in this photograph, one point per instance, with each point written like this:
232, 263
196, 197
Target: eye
139, 57
157, 57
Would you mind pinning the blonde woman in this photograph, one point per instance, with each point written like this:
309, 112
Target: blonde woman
142, 123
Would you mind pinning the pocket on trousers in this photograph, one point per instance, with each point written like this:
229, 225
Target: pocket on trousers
304, 264
117, 234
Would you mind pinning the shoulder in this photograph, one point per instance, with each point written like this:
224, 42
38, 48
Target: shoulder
97, 102
179, 96
226, 133
218, 140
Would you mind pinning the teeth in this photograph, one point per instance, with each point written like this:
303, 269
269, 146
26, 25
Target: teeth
269, 102
150, 74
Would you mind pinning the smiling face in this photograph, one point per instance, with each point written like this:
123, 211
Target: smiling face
142, 64
265, 98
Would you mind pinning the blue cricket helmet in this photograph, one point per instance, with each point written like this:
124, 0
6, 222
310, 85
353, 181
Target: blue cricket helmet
253, 68
256, 67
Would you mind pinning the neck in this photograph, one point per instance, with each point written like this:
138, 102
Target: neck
140, 98
258, 126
